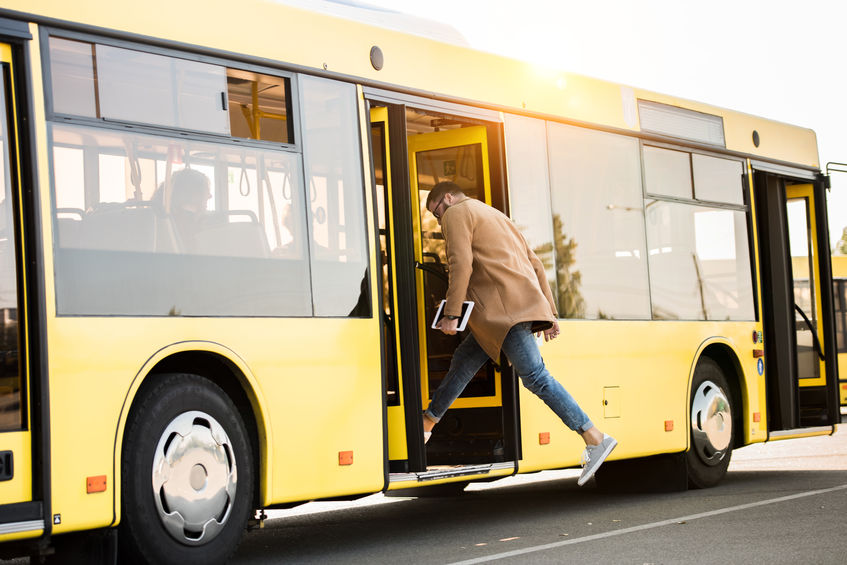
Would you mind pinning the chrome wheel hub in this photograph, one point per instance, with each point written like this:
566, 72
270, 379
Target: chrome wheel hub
194, 478
711, 422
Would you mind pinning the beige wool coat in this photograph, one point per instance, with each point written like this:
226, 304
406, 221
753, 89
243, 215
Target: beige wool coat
491, 264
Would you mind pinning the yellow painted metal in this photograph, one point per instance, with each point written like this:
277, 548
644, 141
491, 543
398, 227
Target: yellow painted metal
797, 434
343, 46
592, 355
19, 487
801, 270
397, 447
842, 381
429, 142
322, 400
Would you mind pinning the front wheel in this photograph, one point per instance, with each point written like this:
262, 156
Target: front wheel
187, 475
712, 430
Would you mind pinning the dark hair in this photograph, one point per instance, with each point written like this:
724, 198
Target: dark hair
442, 188
188, 185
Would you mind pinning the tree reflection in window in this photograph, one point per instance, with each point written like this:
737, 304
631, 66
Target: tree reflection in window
568, 279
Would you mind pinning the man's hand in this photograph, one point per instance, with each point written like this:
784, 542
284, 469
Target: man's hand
552, 333
448, 326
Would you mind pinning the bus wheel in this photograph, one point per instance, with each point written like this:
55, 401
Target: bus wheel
187, 475
712, 431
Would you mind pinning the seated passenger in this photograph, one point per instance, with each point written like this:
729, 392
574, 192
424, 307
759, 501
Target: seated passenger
189, 200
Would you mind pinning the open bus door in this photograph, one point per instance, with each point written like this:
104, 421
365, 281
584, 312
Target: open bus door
471, 431
412, 151
799, 327
21, 514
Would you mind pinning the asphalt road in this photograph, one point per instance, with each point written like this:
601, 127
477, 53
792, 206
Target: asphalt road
782, 502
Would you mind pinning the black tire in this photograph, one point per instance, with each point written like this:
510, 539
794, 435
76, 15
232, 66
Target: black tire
217, 463
712, 427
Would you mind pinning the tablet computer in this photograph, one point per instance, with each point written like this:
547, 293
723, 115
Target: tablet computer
467, 306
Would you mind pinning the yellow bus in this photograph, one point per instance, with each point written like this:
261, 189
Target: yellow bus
839, 287
218, 275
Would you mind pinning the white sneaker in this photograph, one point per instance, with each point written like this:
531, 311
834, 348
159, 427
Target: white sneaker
594, 456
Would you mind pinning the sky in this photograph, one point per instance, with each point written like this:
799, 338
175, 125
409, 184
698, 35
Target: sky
780, 59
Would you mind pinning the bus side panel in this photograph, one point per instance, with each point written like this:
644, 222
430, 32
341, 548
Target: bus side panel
605, 365
320, 383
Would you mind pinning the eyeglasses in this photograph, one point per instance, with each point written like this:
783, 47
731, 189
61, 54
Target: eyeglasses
435, 210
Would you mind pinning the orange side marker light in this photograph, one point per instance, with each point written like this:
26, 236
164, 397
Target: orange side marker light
757, 416
543, 438
345, 458
95, 484
668, 425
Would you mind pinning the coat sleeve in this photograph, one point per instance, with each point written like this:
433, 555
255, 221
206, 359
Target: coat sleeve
457, 228
538, 267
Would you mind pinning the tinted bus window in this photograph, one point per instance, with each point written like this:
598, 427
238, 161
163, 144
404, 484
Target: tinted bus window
157, 226
338, 240
598, 224
699, 262
529, 183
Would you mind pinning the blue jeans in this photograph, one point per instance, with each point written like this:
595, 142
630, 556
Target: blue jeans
522, 351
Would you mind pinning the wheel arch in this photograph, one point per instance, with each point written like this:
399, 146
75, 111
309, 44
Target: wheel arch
224, 368
722, 352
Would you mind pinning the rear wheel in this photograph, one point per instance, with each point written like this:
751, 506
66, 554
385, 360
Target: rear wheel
712, 429
187, 475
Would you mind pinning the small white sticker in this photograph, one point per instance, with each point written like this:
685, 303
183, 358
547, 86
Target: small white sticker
57, 519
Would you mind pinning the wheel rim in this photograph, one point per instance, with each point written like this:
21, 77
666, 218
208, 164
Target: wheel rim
194, 478
711, 423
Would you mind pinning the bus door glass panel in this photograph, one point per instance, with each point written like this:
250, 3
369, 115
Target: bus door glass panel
461, 156
15, 441
397, 448
807, 325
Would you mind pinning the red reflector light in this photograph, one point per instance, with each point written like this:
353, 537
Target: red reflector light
758, 353
95, 484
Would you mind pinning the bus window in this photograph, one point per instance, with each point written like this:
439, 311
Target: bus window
258, 106
146, 88
699, 255
840, 287
667, 173
72, 77
598, 224
716, 179
192, 228
699, 262
336, 198
529, 205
